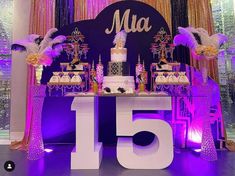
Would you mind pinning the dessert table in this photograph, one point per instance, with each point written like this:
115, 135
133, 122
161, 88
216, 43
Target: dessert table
88, 148
187, 104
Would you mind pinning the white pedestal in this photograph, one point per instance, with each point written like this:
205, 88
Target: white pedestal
87, 153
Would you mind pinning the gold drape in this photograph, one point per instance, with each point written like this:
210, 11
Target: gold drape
80, 10
200, 15
42, 16
163, 7
89, 9
199, 11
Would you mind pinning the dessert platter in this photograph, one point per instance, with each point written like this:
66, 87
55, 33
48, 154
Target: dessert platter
69, 80
73, 76
79, 78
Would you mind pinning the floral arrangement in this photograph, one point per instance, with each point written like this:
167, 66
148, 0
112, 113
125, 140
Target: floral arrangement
40, 50
200, 42
208, 51
37, 59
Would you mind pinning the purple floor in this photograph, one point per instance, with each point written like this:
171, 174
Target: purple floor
57, 163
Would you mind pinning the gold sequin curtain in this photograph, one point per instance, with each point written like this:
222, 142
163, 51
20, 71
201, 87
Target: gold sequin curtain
163, 7
200, 15
80, 10
89, 9
42, 16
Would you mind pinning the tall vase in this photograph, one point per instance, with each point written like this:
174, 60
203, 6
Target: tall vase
203, 65
203, 61
38, 74
95, 87
208, 149
141, 87
36, 147
100, 75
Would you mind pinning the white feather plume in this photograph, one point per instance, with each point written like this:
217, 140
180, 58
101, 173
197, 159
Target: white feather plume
33, 37
186, 38
30, 47
216, 40
120, 37
52, 52
205, 38
58, 39
47, 39
45, 48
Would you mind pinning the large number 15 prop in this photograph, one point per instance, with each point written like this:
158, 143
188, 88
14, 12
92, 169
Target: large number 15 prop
88, 151
157, 155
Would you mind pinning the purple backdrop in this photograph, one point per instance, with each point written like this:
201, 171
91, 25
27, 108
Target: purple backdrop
58, 122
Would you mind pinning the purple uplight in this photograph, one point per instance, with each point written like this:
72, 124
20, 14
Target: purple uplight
195, 136
48, 150
197, 150
195, 132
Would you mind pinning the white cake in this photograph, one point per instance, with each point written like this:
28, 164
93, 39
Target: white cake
119, 80
115, 82
118, 54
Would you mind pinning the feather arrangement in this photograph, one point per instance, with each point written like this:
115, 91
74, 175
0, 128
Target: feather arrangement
186, 37
40, 50
199, 41
120, 39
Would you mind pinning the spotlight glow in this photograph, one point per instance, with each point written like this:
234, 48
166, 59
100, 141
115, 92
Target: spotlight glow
195, 133
48, 150
197, 150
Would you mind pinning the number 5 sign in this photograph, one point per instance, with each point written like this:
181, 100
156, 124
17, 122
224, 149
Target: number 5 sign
88, 151
157, 155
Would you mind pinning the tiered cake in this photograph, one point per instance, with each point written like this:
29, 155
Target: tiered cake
119, 79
